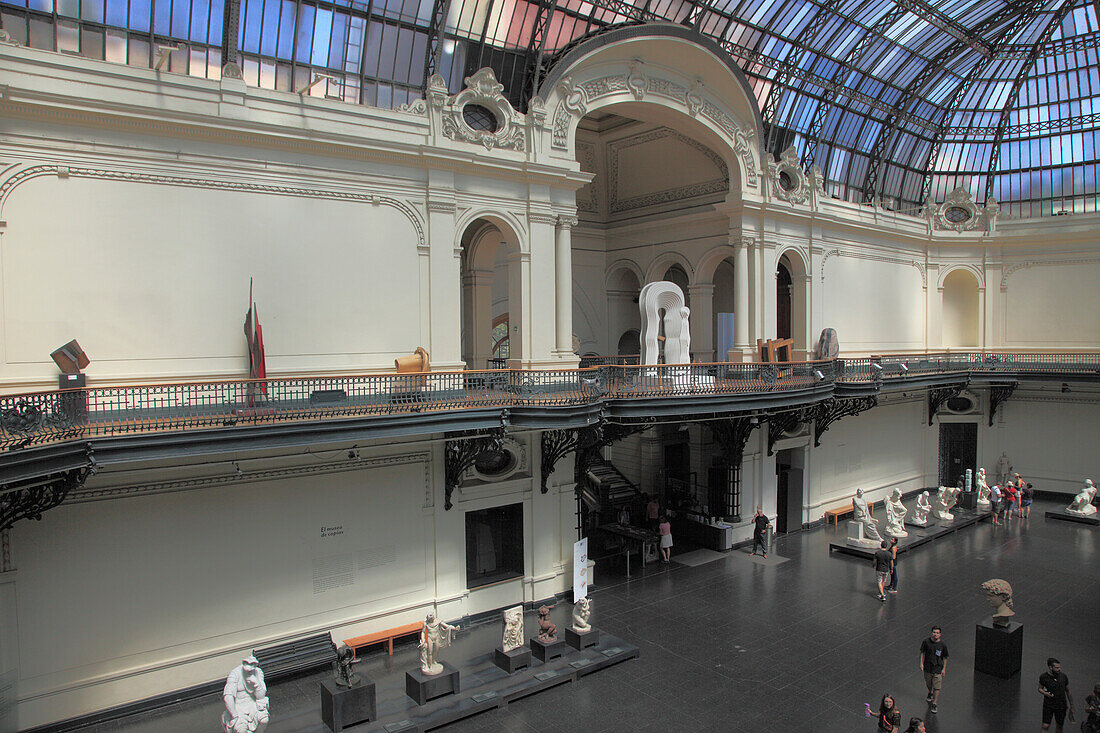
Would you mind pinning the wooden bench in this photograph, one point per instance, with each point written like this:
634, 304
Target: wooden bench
843, 511
300, 655
358, 642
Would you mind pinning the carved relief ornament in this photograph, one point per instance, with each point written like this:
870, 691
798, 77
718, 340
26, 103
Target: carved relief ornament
483, 90
788, 182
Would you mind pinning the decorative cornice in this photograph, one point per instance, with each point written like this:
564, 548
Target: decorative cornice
877, 258
703, 188
26, 174
442, 207
167, 487
542, 218
1011, 268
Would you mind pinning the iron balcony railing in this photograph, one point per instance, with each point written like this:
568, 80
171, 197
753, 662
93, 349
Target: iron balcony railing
47, 417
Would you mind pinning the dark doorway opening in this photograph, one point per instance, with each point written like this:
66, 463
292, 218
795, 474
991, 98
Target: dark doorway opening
958, 451
789, 489
678, 472
782, 302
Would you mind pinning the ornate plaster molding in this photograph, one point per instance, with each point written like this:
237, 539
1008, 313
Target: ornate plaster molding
567, 222
703, 188
442, 207
1009, 269
6, 564
788, 181
586, 156
483, 89
25, 174
543, 218
959, 213
855, 254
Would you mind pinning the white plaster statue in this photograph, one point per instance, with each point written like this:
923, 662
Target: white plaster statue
245, 697
999, 594
513, 629
654, 298
945, 500
435, 635
1082, 503
582, 611
895, 515
920, 514
862, 527
1004, 466
983, 491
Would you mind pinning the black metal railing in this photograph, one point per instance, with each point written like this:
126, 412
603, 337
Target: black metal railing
46, 417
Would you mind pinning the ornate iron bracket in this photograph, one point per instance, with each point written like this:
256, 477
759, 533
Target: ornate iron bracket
732, 435
828, 412
555, 445
31, 499
936, 398
998, 393
460, 453
591, 440
785, 422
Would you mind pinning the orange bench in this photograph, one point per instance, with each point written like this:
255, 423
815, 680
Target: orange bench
843, 511
387, 636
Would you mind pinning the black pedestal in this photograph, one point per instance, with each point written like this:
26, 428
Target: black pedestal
345, 706
969, 500
545, 651
1092, 519
998, 649
512, 660
582, 640
423, 687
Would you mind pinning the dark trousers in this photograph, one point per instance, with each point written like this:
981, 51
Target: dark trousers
760, 540
893, 578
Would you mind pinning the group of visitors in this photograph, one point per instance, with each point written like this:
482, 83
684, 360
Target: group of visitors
889, 717
1012, 499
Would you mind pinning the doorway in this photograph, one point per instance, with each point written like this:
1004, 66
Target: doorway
783, 302
958, 451
678, 471
789, 473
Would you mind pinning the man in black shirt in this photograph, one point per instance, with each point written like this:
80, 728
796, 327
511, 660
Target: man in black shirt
1054, 686
933, 663
760, 534
883, 562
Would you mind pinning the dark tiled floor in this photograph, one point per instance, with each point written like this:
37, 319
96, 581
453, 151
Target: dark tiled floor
801, 646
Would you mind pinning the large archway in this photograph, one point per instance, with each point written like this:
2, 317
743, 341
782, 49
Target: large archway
492, 289
961, 316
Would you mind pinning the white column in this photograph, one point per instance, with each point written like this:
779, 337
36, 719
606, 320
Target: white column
701, 322
563, 273
741, 298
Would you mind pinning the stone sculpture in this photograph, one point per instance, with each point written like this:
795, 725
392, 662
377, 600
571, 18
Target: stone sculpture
945, 500
435, 635
895, 515
582, 611
654, 298
1004, 466
862, 528
245, 697
983, 491
999, 594
513, 629
1082, 503
920, 514
345, 660
827, 345
548, 632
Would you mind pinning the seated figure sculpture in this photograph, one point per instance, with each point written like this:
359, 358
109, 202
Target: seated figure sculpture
1082, 503
862, 528
920, 514
983, 491
945, 500
582, 611
999, 594
245, 698
895, 515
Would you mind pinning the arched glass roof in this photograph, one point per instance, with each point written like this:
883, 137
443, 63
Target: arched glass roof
897, 101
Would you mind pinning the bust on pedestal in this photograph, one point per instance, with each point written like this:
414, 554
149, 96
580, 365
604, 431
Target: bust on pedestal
999, 641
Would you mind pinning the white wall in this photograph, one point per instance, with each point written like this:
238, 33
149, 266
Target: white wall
1047, 306
874, 306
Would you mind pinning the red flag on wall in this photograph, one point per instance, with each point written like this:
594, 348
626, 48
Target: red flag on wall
254, 337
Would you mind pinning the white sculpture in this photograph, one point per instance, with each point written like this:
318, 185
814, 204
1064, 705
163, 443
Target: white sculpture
862, 528
1082, 503
945, 500
983, 491
920, 514
895, 515
582, 610
435, 635
513, 629
654, 298
245, 697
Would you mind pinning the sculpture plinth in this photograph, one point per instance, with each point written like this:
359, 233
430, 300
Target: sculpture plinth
998, 650
513, 659
856, 538
342, 707
580, 640
424, 687
546, 651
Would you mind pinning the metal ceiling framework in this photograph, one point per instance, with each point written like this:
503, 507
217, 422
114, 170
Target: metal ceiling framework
894, 101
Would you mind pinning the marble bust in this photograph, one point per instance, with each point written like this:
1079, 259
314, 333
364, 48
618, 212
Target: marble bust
245, 698
945, 500
862, 528
513, 629
582, 611
920, 514
1082, 503
895, 515
435, 635
999, 594
983, 490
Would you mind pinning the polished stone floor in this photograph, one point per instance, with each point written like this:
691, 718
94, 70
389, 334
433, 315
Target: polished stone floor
795, 643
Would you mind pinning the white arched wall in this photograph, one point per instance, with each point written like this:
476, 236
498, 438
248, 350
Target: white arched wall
483, 239
623, 284
800, 302
961, 315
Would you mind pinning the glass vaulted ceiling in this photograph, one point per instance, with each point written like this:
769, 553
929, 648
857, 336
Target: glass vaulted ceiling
897, 101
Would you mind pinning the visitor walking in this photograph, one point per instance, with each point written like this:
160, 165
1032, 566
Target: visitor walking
933, 663
889, 717
760, 532
665, 530
1057, 700
893, 587
882, 561
916, 725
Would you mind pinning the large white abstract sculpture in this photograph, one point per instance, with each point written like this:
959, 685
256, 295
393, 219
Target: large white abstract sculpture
862, 528
895, 515
245, 697
1082, 503
664, 296
920, 514
582, 611
435, 635
945, 500
983, 491
513, 629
